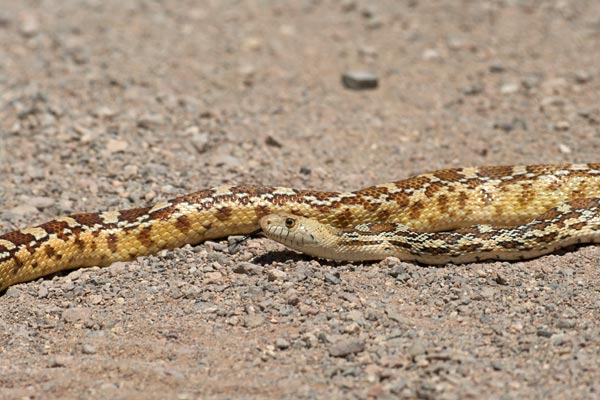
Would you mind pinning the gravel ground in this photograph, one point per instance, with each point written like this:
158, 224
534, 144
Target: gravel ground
117, 104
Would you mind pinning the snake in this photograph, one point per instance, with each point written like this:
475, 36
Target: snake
537, 201
570, 223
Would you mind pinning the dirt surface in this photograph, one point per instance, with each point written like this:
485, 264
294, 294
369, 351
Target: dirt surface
117, 104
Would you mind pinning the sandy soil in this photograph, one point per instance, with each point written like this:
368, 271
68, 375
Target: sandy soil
117, 104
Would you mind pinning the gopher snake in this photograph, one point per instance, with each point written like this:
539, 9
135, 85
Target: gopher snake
438, 201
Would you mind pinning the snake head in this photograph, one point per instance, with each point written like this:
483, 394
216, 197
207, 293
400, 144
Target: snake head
298, 233
314, 238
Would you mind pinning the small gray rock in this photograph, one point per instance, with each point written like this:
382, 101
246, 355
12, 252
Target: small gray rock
332, 279
271, 141
76, 314
200, 141
582, 77
150, 121
510, 87
346, 347
213, 277
96, 299
360, 80
544, 332
497, 68
13, 291
473, 89
40, 202
88, 349
116, 145
247, 268
59, 361
282, 344
253, 321
397, 271
565, 323
276, 275
416, 349
558, 339
29, 25
42, 292
23, 210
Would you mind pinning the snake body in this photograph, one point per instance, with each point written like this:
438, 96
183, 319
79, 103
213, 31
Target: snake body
438, 201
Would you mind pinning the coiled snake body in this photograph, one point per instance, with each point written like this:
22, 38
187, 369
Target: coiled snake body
444, 200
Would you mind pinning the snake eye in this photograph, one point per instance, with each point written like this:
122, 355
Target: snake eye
289, 223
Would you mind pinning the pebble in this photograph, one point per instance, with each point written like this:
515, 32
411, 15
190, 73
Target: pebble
104, 112
116, 145
497, 68
200, 141
291, 297
508, 125
531, 81
150, 121
117, 268
272, 142
558, 339
39, 202
88, 349
13, 291
330, 278
30, 25
42, 292
473, 89
552, 101
510, 88
76, 274
276, 275
360, 80
59, 361
566, 323
345, 347
226, 161
562, 126
76, 314
417, 348
282, 344
431, 55
247, 268
95, 299
253, 321
582, 77
563, 148
213, 278
252, 44
397, 271
23, 210
544, 332
456, 43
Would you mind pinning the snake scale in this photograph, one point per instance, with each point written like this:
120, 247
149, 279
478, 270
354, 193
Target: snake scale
445, 200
